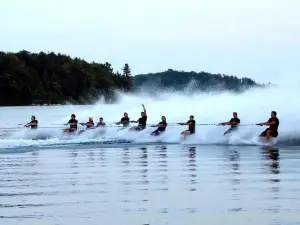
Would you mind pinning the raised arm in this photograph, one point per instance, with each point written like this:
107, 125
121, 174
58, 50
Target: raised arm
144, 110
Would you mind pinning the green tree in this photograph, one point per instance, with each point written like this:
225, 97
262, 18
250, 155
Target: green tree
191, 81
26, 76
126, 70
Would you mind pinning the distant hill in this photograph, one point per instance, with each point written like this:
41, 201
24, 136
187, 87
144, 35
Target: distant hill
191, 81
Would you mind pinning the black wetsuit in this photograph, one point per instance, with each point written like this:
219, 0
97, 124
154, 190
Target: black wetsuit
33, 124
235, 120
142, 122
89, 124
125, 121
100, 124
164, 126
273, 128
160, 129
73, 124
192, 128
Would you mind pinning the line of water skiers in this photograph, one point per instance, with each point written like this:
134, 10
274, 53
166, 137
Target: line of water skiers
234, 122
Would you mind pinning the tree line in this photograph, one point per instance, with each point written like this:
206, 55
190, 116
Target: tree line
27, 77
172, 80
56, 78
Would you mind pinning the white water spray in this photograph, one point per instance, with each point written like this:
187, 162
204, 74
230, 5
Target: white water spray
253, 106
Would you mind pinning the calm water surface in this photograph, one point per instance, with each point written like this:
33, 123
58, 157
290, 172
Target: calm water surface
172, 184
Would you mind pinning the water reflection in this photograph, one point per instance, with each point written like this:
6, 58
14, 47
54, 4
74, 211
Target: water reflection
102, 157
162, 166
152, 184
193, 167
272, 163
91, 155
144, 166
126, 172
143, 179
74, 167
125, 177
191, 164
232, 157
272, 154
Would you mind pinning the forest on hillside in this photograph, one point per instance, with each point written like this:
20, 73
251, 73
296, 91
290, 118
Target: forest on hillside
32, 78
26, 78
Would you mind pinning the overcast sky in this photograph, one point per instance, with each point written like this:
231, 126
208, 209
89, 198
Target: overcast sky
254, 38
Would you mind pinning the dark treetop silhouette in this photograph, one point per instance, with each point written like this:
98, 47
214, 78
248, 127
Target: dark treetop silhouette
50, 78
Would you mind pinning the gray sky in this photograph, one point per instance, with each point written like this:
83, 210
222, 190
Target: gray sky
254, 38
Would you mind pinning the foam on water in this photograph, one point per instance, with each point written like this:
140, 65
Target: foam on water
253, 106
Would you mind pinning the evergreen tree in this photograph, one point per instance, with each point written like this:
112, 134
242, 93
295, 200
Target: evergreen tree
126, 70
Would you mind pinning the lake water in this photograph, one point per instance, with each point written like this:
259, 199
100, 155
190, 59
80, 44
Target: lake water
131, 178
151, 184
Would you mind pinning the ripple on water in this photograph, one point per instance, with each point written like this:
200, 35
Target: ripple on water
169, 184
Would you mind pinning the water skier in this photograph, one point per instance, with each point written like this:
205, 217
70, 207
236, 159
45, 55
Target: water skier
33, 123
73, 124
272, 131
101, 123
124, 120
89, 125
142, 121
234, 122
192, 127
161, 127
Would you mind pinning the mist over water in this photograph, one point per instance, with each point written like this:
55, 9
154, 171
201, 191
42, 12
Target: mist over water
253, 106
